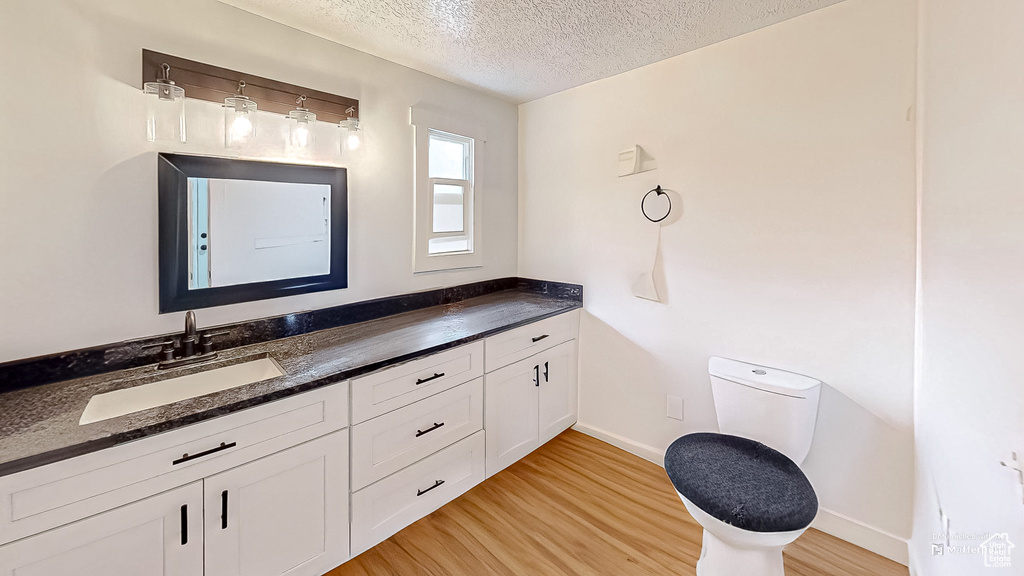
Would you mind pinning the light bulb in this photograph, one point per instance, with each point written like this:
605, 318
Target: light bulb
239, 119
303, 121
241, 128
302, 136
352, 137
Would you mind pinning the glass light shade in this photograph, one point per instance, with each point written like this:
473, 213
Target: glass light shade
165, 112
352, 136
239, 121
301, 133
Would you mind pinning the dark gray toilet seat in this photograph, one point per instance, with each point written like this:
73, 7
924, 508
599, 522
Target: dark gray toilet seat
741, 482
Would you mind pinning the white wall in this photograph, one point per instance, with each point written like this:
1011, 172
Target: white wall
78, 200
969, 396
791, 154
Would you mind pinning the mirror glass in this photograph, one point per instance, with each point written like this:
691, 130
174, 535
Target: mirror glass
246, 231
239, 230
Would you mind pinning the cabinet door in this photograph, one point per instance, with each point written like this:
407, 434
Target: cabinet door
558, 390
159, 536
510, 413
286, 513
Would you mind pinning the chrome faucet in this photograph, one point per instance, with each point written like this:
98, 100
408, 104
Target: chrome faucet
189, 343
190, 323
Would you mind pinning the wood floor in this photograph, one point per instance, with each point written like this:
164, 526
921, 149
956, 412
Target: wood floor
578, 506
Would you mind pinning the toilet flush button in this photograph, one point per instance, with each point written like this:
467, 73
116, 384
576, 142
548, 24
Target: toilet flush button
759, 372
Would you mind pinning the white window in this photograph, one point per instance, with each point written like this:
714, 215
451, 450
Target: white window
447, 203
450, 170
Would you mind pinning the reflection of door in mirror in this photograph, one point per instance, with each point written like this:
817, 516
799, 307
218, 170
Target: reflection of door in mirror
257, 231
198, 233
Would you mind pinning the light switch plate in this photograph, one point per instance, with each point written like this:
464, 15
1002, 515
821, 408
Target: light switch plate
675, 407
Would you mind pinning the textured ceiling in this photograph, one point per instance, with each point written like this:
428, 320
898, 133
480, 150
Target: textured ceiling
525, 49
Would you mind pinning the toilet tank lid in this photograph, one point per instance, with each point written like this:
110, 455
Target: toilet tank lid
761, 377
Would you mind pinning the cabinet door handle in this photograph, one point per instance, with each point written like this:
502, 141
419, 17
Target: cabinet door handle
546, 372
429, 378
186, 456
431, 429
224, 510
436, 484
184, 524
536, 375
541, 337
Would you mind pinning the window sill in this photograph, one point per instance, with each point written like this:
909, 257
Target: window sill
448, 262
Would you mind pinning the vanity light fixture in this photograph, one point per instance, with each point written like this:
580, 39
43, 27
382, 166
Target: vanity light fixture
214, 84
352, 131
303, 121
165, 108
239, 119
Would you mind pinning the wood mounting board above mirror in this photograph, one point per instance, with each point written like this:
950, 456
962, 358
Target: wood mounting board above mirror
214, 84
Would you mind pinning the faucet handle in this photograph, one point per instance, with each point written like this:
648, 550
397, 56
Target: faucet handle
206, 340
166, 350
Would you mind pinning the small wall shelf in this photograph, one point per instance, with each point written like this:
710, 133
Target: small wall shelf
634, 161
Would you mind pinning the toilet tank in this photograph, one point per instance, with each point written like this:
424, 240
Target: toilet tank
772, 406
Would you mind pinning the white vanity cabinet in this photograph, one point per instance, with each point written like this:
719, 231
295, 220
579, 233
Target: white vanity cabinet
528, 403
159, 536
259, 492
428, 430
418, 442
289, 488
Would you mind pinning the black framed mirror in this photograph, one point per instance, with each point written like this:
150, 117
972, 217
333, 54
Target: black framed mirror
238, 230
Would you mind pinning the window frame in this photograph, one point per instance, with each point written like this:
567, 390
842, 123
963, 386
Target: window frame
467, 191
427, 122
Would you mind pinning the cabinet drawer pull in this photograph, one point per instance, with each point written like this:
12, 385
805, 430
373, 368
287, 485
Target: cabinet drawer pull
186, 456
184, 524
224, 510
541, 337
431, 429
429, 378
436, 484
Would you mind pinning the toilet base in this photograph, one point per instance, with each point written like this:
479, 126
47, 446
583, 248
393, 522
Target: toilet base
717, 558
730, 551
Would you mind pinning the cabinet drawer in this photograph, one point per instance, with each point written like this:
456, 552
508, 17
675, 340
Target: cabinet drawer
391, 442
384, 508
525, 341
402, 385
62, 492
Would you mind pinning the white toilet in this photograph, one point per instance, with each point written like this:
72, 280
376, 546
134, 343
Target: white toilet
735, 477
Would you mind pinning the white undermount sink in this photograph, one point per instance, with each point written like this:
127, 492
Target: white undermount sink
128, 400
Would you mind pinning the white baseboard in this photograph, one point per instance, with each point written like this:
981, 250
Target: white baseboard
636, 448
853, 531
867, 537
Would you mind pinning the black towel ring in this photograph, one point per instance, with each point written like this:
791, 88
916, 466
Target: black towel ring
659, 192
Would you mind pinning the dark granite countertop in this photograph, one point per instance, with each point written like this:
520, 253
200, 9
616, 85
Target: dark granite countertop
39, 425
